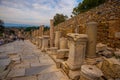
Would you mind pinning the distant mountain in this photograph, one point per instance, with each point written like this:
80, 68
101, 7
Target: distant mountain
17, 25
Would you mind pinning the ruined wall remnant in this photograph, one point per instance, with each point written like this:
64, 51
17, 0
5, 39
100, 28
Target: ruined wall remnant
108, 17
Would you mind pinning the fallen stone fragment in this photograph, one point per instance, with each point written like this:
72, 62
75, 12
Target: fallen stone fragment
91, 72
100, 47
111, 68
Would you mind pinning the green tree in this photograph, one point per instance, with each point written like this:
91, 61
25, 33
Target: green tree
46, 28
31, 28
1, 26
86, 5
58, 18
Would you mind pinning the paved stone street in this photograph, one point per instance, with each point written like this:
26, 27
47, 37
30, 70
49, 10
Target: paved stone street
27, 63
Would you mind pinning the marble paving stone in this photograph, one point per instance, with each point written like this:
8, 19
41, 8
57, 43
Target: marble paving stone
35, 70
52, 68
26, 78
58, 75
46, 60
16, 72
48, 76
5, 62
22, 65
3, 56
34, 64
2, 68
30, 58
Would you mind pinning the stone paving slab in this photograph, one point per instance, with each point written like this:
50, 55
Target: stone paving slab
52, 68
46, 60
33, 65
3, 56
58, 75
22, 65
26, 78
35, 70
2, 68
16, 72
48, 76
4, 62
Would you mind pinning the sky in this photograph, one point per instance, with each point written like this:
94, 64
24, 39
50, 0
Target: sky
35, 12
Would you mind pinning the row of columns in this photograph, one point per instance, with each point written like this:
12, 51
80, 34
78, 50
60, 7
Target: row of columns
91, 31
79, 46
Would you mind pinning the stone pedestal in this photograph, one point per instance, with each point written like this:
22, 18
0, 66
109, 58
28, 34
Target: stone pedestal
90, 72
37, 41
92, 38
62, 53
33, 40
53, 50
57, 38
74, 75
42, 30
63, 43
51, 33
77, 50
45, 40
40, 43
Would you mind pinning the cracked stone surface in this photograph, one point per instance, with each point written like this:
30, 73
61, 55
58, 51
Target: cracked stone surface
29, 62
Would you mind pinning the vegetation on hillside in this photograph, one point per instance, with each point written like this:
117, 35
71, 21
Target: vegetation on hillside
36, 27
31, 28
46, 28
1, 26
58, 18
85, 5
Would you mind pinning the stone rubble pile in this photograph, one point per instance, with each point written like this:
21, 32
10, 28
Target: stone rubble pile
103, 50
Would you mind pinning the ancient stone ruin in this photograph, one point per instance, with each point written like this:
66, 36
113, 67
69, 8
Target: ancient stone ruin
85, 47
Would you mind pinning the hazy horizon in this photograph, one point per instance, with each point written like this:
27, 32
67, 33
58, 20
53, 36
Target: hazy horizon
34, 12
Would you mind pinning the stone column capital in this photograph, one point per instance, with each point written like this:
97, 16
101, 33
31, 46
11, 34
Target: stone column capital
46, 37
76, 37
92, 24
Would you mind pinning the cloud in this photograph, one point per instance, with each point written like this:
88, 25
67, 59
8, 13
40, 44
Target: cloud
35, 12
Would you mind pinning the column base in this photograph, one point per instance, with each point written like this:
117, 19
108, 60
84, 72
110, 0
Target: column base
72, 66
74, 75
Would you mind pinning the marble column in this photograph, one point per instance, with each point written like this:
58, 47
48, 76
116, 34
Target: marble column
77, 50
42, 30
37, 41
63, 43
40, 43
45, 41
34, 36
57, 38
63, 51
91, 31
51, 33
37, 32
